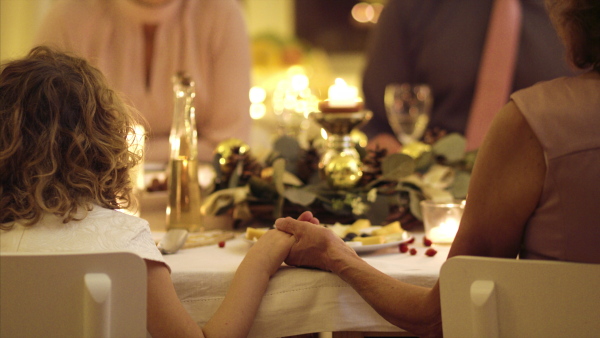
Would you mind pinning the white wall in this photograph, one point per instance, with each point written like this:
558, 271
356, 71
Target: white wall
19, 21
275, 16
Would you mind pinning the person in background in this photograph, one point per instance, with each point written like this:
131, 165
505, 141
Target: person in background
64, 169
533, 194
440, 43
140, 44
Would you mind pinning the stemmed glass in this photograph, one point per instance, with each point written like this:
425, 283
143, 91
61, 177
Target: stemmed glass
408, 108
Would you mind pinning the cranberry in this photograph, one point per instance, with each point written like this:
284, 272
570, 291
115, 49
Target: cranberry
411, 241
413, 251
426, 241
430, 252
221, 244
403, 247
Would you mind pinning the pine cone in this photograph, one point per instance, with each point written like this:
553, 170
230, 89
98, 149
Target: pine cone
371, 167
250, 166
432, 135
308, 163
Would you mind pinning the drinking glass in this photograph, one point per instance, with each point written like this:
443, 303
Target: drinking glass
408, 107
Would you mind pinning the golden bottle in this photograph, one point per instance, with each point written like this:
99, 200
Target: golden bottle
183, 208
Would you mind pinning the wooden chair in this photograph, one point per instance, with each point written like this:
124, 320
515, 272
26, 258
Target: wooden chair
72, 295
495, 297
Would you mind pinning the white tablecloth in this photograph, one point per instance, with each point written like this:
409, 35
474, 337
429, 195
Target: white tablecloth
297, 300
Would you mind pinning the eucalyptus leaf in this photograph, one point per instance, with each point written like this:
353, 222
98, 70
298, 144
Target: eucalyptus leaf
235, 176
470, 157
451, 147
220, 206
291, 179
278, 209
397, 165
412, 182
424, 161
289, 148
214, 203
460, 186
394, 167
414, 204
302, 197
437, 195
262, 189
273, 155
242, 211
378, 210
337, 207
438, 176
217, 165
337, 204
278, 173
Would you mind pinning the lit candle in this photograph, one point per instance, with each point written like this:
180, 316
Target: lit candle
342, 98
342, 95
445, 232
441, 220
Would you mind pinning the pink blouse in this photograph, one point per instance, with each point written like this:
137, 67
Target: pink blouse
565, 116
206, 38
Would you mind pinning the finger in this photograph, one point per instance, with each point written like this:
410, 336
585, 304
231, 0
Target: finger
315, 220
306, 216
285, 225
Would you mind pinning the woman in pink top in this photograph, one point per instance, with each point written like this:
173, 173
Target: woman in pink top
534, 191
140, 44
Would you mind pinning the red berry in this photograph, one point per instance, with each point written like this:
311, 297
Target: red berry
426, 241
403, 247
413, 251
221, 244
411, 240
430, 252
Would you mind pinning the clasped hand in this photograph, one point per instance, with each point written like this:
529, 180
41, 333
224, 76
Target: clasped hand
315, 246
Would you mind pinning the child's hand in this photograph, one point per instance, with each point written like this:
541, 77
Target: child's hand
271, 249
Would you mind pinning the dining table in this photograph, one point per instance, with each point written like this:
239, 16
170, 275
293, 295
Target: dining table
298, 301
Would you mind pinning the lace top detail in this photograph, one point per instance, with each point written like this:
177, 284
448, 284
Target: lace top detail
101, 230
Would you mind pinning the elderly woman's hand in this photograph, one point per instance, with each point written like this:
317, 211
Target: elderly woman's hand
315, 246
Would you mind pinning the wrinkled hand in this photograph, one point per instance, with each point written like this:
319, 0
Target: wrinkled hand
315, 246
272, 248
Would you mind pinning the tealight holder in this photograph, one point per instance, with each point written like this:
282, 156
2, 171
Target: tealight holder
441, 220
340, 163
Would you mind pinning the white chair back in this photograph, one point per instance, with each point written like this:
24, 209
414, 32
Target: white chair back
72, 295
496, 297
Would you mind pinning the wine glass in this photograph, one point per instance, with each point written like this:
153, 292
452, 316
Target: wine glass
408, 107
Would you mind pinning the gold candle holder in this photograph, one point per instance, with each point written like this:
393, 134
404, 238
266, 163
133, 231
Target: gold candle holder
340, 164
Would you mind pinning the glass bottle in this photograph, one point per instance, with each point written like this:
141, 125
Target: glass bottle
183, 208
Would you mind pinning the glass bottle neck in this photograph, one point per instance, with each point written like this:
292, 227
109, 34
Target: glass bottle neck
184, 135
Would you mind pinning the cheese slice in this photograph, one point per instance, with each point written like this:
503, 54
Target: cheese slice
254, 234
391, 228
370, 240
358, 225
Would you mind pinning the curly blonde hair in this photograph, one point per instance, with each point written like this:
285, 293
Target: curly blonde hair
63, 139
578, 24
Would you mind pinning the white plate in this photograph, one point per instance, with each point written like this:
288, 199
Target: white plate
404, 237
369, 248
